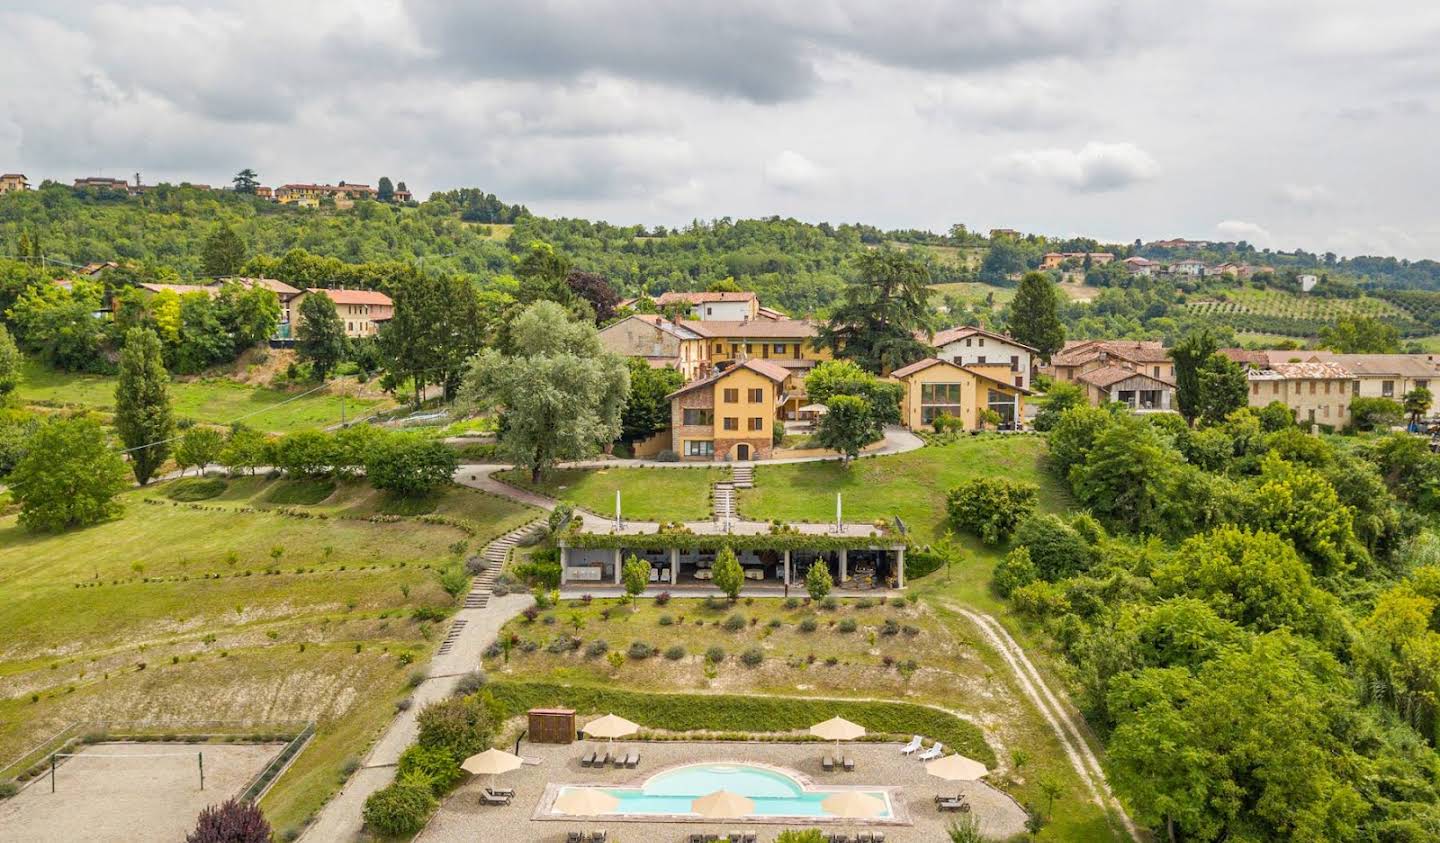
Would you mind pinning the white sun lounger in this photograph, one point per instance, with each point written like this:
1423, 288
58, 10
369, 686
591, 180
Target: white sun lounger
933, 752
912, 747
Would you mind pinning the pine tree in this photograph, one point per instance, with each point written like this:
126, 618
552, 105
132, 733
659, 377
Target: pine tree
142, 403
1035, 315
385, 191
224, 253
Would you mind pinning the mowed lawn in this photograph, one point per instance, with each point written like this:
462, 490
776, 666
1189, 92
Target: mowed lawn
912, 485
213, 400
646, 494
225, 612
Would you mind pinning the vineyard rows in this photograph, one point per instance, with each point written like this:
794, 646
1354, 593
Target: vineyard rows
1297, 316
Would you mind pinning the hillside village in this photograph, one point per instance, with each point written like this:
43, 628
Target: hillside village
400, 517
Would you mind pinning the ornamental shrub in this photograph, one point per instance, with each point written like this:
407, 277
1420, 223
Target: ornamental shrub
401, 808
231, 821
433, 763
991, 507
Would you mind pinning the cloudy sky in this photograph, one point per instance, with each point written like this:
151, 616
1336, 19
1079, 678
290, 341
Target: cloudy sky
1308, 123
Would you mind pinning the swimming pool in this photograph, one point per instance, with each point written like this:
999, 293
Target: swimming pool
774, 793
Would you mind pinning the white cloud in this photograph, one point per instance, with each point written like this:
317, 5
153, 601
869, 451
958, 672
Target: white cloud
998, 104
1252, 233
792, 171
1304, 195
1094, 168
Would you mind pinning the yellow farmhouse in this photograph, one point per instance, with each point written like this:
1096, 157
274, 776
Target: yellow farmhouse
729, 415
935, 388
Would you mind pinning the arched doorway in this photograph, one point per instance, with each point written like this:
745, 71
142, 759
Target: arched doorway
742, 451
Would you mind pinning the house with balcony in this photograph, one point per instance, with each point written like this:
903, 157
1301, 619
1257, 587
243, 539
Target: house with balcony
730, 415
972, 347
935, 388
13, 183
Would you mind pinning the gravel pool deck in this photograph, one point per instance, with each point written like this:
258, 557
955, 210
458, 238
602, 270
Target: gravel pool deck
877, 766
107, 795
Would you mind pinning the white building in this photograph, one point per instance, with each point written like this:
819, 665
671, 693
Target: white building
1307, 282
971, 346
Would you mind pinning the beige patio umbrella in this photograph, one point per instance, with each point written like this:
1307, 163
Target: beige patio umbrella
723, 805
611, 727
491, 762
852, 804
956, 768
838, 729
586, 802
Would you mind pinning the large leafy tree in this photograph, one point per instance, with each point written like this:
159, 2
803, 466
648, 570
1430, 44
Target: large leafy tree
203, 338
1189, 354
1360, 335
224, 252
320, 338
647, 410
842, 377
9, 364
246, 181
543, 273
142, 404
58, 325
560, 394
1417, 400
248, 314
409, 465
883, 314
385, 189
1035, 315
199, 446
69, 476
595, 289
1223, 389
434, 331
848, 425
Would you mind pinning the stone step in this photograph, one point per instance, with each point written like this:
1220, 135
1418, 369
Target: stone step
451, 637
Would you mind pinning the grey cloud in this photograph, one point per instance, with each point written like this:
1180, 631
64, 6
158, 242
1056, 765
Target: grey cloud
1094, 168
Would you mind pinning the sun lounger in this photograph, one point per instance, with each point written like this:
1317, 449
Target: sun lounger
911, 748
735, 837
488, 798
827, 764
863, 837
751, 837
848, 763
879, 836
574, 837
587, 760
507, 792
632, 760
602, 760
951, 805
599, 836
933, 752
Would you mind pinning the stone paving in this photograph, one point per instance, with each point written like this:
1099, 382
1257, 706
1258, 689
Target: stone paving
879, 765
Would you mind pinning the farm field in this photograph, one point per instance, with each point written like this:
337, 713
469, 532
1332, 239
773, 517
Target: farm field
1295, 314
646, 494
212, 400
229, 609
974, 291
966, 258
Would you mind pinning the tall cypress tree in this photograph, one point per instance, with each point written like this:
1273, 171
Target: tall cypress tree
1035, 315
1189, 354
224, 252
142, 403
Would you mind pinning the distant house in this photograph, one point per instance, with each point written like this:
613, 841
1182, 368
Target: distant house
1137, 373
265, 192
658, 341
935, 387
1239, 270
729, 415
973, 347
1180, 243
287, 295
361, 311
1194, 268
93, 269
1054, 260
102, 183
1307, 282
1375, 375
309, 195
13, 183
1141, 266
996, 233
706, 306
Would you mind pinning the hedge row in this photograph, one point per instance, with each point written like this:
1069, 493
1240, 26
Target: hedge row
747, 714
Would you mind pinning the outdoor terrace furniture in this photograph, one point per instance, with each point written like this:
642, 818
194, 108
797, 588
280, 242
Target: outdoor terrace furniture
602, 760
827, 764
574, 837
488, 798
838, 838
599, 836
933, 752
632, 760
848, 763
911, 748
507, 792
953, 805
587, 760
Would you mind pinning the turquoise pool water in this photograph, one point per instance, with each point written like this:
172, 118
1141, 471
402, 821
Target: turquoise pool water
774, 793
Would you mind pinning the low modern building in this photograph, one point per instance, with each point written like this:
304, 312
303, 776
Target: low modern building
860, 557
935, 388
1141, 266
971, 346
362, 311
660, 342
13, 183
731, 414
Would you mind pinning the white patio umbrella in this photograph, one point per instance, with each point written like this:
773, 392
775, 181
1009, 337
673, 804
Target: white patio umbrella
852, 804
491, 762
611, 727
838, 729
723, 805
586, 802
817, 409
956, 768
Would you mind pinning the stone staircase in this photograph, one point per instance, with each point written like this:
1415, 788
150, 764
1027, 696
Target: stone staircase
742, 475
723, 498
451, 637
494, 554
